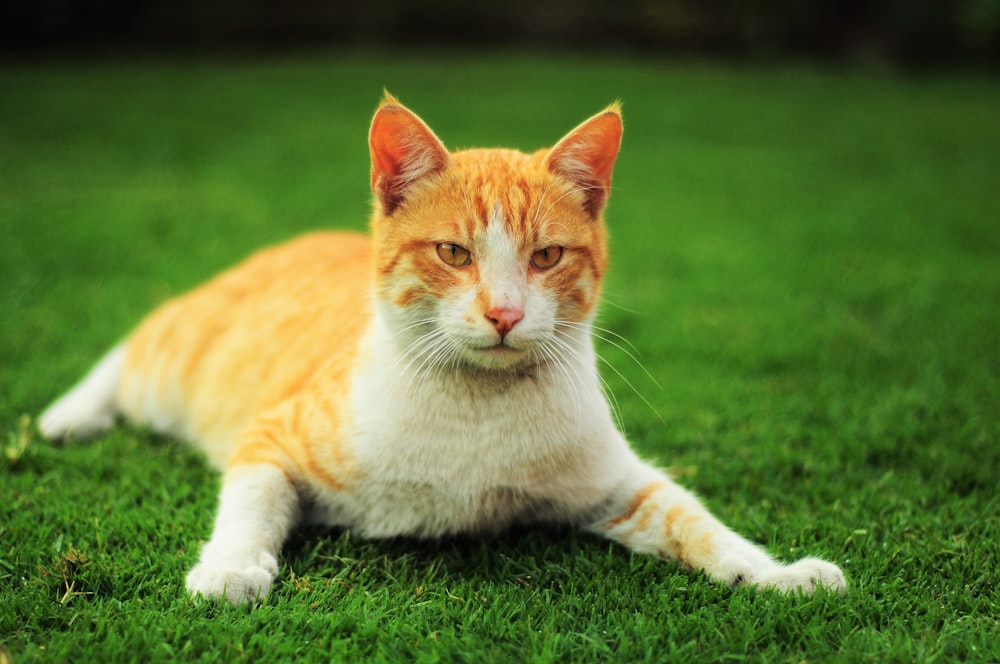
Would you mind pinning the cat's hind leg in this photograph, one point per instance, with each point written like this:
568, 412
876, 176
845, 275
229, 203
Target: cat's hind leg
90, 407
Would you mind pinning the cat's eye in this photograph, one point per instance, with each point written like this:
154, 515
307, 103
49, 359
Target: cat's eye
454, 255
543, 259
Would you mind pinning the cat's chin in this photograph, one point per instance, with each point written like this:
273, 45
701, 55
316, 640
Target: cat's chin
499, 357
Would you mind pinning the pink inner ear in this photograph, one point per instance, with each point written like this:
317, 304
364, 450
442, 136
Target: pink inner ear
587, 156
403, 149
387, 147
599, 146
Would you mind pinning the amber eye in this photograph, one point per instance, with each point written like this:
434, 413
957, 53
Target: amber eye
545, 258
454, 255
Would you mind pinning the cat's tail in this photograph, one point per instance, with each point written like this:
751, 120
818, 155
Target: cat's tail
90, 407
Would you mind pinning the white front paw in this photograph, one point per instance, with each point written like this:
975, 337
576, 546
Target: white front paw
807, 574
238, 580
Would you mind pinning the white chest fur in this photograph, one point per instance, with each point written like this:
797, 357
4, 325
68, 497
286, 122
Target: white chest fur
454, 450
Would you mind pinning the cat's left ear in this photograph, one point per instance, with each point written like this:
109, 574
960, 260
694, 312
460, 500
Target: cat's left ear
587, 156
403, 150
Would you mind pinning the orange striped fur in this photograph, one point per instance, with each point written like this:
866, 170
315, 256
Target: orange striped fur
433, 378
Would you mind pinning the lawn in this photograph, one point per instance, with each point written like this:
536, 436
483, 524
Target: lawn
806, 261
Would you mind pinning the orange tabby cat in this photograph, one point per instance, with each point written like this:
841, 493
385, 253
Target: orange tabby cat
438, 378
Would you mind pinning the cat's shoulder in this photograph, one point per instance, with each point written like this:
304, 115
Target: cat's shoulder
303, 254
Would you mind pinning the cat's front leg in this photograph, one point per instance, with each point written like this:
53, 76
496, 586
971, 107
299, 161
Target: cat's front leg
649, 513
258, 506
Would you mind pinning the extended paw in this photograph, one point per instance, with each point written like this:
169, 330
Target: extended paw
733, 570
69, 420
807, 574
236, 581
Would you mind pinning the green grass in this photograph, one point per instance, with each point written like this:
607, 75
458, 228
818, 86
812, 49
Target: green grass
807, 261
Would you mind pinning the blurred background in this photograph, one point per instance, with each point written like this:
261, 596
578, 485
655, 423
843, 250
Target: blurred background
910, 33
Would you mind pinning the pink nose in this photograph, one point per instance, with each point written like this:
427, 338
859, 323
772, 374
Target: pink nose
504, 320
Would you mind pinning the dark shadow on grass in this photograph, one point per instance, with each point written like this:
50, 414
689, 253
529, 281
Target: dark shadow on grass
524, 555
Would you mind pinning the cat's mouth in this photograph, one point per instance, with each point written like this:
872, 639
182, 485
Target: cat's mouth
500, 348
499, 355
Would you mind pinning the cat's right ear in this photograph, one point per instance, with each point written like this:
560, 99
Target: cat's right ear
403, 150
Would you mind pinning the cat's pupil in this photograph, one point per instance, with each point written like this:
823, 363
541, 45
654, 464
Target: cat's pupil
454, 255
543, 259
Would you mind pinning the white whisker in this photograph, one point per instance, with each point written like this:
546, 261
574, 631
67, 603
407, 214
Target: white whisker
551, 357
605, 388
607, 301
628, 348
541, 217
537, 213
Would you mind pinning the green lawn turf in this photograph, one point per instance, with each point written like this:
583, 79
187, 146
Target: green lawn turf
807, 262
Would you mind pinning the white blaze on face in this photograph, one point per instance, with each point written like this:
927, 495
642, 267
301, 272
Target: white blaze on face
503, 315
502, 280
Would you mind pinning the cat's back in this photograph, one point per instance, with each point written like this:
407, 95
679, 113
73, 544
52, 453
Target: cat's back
205, 363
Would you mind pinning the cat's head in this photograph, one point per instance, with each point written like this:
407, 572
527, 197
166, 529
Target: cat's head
489, 258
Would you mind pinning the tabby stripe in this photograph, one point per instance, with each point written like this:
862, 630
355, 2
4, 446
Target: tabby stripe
636, 502
677, 524
318, 470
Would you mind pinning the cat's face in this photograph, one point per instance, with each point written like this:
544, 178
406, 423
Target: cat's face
488, 258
